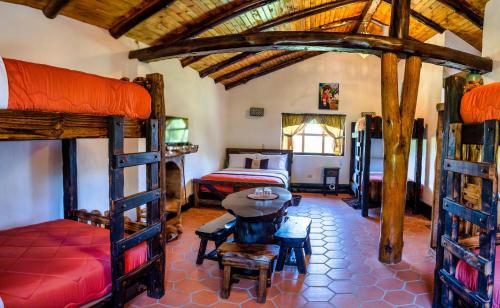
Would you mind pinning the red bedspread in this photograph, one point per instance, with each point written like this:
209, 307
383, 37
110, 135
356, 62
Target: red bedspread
59, 263
237, 175
468, 276
481, 104
45, 88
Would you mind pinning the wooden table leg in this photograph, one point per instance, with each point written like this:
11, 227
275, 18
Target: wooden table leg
226, 283
262, 287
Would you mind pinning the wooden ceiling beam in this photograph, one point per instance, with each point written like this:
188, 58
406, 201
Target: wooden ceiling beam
137, 15
53, 7
285, 19
271, 69
315, 41
366, 17
464, 9
250, 67
424, 20
214, 18
226, 63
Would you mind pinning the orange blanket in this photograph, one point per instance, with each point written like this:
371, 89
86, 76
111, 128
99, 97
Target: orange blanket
245, 176
481, 104
45, 88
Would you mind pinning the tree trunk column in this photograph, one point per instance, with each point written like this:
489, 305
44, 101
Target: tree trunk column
397, 127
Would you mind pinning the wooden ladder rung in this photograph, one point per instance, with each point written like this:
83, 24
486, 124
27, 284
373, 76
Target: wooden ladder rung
135, 159
457, 287
136, 200
479, 263
479, 218
135, 239
482, 170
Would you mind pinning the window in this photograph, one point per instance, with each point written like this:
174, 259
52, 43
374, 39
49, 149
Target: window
314, 134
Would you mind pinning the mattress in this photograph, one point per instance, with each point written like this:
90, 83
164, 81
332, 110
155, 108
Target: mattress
37, 87
468, 276
481, 104
241, 175
61, 263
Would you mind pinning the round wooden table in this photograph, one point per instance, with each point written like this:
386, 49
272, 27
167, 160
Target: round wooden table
257, 221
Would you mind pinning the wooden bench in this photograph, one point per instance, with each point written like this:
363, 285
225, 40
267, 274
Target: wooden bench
217, 230
294, 235
249, 257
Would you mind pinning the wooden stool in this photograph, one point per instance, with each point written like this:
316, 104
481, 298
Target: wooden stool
294, 235
250, 257
217, 230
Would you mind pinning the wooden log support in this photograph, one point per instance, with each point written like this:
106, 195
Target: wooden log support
316, 41
53, 7
366, 17
398, 122
137, 15
224, 64
70, 177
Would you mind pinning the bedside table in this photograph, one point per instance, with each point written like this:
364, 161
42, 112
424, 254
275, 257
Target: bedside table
330, 173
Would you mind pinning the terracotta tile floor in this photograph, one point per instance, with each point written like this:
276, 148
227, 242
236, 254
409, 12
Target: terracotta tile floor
342, 272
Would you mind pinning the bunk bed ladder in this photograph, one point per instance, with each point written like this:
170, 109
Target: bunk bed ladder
153, 268
366, 148
455, 169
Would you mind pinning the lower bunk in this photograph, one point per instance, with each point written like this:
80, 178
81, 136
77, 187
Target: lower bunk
60, 263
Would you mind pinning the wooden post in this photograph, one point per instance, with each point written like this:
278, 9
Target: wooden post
69, 177
365, 166
397, 127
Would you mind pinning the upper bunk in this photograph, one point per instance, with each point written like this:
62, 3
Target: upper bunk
40, 102
375, 125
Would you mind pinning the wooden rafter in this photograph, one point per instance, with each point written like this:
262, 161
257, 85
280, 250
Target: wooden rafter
424, 20
366, 17
464, 9
285, 19
226, 63
137, 15
214, 18
272, 69
250, 67
316, 41
53, 7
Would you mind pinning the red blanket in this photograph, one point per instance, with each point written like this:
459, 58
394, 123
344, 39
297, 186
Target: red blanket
481, 104
247, 176
29, 86
61, 263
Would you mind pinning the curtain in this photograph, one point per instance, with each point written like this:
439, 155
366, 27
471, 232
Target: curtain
333, 125
291, 124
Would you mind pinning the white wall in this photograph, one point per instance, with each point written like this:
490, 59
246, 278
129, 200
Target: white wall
31, 181
491, 39
294, 89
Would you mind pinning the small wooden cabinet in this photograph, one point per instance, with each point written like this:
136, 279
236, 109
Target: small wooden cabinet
330, 173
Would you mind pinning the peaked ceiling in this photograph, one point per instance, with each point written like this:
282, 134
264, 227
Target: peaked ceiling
163, 21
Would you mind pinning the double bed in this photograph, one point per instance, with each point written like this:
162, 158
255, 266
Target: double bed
212, 188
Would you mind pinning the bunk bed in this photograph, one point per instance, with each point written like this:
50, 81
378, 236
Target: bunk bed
86, 258
365, 181
467, 224
211, 189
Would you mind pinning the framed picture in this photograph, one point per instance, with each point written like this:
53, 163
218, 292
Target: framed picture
329, 96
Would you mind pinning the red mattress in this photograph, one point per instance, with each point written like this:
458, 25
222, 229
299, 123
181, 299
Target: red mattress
238, 175
481, 104
468, 276
29, 86
61, 263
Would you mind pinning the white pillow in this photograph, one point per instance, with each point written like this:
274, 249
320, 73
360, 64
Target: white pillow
276, 161
238, 160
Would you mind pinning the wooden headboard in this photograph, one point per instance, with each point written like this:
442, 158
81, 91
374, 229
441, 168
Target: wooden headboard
289, 154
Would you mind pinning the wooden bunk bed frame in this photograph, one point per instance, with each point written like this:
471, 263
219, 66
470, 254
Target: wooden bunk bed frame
215, 197
360, 160
34, 125
455, 210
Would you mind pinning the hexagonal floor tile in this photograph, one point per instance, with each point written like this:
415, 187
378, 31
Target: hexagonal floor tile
318, 294
338, 263
399, 297
204, 297
317, 280
390, 284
